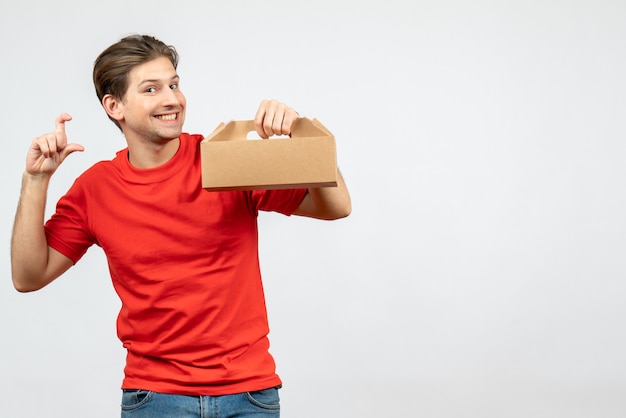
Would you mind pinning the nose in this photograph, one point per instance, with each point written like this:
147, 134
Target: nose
173, 97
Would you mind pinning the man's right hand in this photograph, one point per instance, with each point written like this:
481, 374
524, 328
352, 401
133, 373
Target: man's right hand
48, 151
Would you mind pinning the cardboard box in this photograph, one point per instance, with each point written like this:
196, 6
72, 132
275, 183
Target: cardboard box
230, 161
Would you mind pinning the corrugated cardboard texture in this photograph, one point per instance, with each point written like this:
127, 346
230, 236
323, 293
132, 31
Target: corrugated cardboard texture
230, 161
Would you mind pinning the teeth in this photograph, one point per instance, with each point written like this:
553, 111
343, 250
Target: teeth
167, 117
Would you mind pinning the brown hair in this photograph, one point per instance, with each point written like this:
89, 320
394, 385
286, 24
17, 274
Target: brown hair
111, 68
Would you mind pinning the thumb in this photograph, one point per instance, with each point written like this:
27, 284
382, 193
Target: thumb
70, 148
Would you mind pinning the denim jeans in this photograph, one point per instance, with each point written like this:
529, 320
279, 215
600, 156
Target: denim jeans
147, 404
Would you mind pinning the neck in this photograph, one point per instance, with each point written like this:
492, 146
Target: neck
150, 155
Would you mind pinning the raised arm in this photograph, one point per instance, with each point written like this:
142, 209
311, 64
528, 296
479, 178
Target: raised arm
275, 118
33, 263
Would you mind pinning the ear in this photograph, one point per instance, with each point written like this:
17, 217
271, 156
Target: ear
113, 107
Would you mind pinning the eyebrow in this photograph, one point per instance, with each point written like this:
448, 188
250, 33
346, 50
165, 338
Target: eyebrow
157, 80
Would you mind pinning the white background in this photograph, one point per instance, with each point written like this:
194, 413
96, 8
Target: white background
481, 273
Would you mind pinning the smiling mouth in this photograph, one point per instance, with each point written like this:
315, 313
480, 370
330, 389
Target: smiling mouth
171, 116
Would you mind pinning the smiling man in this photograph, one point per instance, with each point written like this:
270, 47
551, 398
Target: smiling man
183, 260
151, 113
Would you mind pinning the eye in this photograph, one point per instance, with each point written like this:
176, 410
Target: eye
151, 90
174, 86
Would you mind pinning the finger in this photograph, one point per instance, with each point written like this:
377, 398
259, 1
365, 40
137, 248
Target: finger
277, 122
70, 148
288, 120
284, 119
48, 145
260, 113
260, 119
59, 132
41, 144
267, 117
60, 122
268, 121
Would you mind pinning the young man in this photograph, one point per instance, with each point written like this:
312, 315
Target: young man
183, 260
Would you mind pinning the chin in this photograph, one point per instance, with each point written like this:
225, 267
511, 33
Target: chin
171, 133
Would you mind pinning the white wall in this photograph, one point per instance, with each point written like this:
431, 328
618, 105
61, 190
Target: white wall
481, 273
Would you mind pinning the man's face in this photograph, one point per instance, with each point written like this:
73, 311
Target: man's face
153, 108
